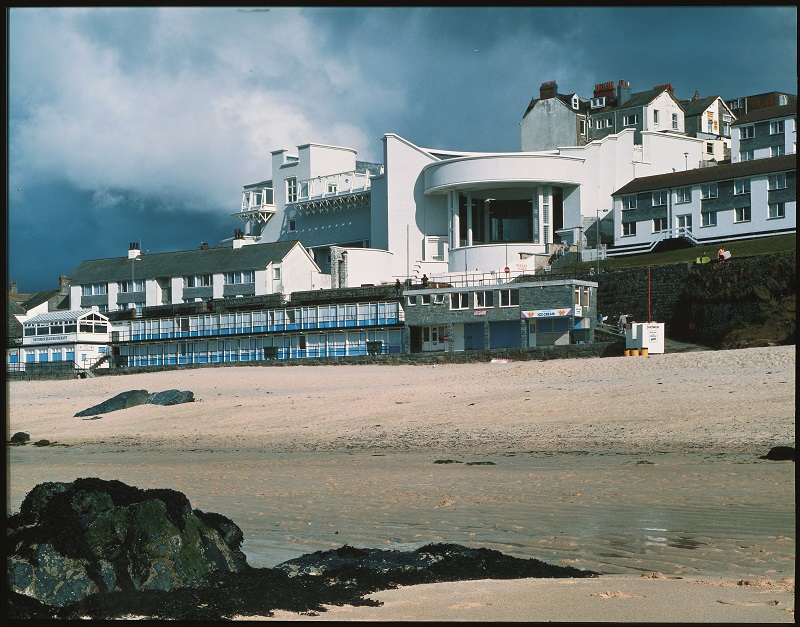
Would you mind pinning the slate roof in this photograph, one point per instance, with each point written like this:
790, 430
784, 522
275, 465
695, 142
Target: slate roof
696, 107
769, 113
566, 100
13, 326
709, 174
187, 262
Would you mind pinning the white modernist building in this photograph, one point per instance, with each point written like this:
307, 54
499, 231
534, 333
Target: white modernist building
446, 214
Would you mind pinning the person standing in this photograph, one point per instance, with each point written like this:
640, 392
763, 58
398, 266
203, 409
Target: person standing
721, 255
424, 281
398, 289
622, 322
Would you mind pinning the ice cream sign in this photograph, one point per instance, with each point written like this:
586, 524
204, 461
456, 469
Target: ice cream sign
546, 313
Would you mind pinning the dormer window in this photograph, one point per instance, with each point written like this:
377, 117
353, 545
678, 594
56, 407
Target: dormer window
575, 101
597, 103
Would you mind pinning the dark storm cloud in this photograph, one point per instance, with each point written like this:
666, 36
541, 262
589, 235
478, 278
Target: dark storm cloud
128, 123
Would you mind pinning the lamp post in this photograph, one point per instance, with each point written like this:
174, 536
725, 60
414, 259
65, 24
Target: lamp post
597, 222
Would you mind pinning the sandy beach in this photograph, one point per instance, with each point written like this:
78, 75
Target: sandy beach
645, 469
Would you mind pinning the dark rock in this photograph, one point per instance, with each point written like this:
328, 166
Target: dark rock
72, 540
447, 461
132, 398
428, 564
103, 550
780, 453
171, 397
42, 443
123, 400
20, 438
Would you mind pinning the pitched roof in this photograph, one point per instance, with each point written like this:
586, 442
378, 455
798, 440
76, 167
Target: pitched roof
769, 113
709, 174
565, 99
696, 107
63, 316
187, 262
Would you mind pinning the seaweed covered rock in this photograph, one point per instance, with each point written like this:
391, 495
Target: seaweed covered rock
123, 400
171, 397
132, 398
428, 564
72, 540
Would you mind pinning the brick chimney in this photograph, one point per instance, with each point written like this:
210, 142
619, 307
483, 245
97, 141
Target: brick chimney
604, 89
548, 90
696, 95
623, 92
667, 86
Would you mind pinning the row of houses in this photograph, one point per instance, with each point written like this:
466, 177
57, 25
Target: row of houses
436, 250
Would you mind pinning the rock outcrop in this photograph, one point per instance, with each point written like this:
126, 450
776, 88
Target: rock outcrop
132, 398
780, 453
73, 540
104, 550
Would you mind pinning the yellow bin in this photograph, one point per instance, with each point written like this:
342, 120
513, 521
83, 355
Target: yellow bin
627, 353
644, 352
634, 352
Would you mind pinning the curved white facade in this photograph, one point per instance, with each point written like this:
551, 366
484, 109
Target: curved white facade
506, 170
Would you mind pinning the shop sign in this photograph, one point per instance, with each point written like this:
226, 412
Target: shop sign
546, 313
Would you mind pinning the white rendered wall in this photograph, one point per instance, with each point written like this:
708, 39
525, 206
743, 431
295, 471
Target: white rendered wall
408, 212
369, 266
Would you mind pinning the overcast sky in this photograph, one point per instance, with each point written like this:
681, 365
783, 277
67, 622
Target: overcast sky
143, 124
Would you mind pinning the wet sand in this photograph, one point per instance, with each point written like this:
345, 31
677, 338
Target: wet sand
627, 466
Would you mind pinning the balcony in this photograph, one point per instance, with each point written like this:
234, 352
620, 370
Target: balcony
335, 192
258, 204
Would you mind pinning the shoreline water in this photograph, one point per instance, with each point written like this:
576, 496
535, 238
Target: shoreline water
618, 465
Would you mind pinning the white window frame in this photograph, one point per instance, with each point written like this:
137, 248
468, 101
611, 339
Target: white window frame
741, 186
291, 189
683, 195
747, 155
276, 273
508, 298
628, 229
741, 214
94, 289
655, 117
708, 218
709, 190
659, 225
459, 300
776, 181
675, 121
629, 202
776, 211
776, 127
659, 198
484, 299
630, 120
747, 132
777, 151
